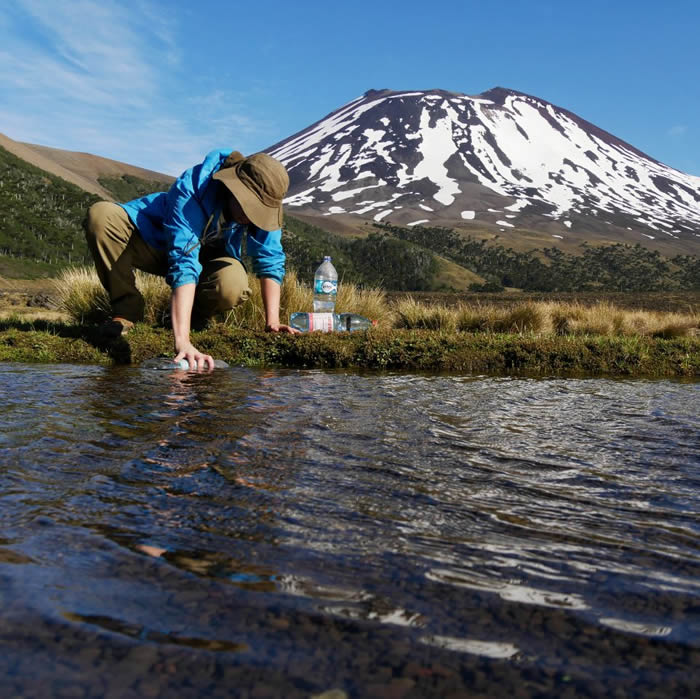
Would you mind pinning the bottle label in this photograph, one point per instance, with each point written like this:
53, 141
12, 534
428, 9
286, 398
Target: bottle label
321, 321
325, 286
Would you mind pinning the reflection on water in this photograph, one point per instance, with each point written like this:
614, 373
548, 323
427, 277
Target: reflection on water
284, 533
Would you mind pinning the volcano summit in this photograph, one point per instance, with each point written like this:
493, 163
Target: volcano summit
502, 159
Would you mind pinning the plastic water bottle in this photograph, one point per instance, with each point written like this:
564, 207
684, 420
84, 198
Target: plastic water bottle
165, 364
325, 287
330, 322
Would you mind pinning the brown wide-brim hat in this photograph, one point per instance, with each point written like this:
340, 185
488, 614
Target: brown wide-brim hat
259, 183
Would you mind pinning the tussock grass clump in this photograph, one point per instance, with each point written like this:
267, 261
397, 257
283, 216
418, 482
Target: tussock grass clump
472, 319
671, 329
370, 303
79, 294
542, 318
563, 317
408, 312
521, 319
156, 295
251, 314
606, 319
412, 315
295, 296
600, 319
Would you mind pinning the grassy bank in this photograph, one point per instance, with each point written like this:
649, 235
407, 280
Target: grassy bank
79, 294
410, 350
530, 336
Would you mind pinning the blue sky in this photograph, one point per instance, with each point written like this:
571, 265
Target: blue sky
158, 84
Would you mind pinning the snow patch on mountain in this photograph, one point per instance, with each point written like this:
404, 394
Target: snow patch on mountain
436, 145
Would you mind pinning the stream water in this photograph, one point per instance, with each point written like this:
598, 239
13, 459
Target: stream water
285, 533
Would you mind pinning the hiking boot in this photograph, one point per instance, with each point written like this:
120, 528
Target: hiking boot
116, 327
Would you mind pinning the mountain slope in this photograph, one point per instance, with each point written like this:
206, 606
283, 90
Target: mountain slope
81, 169
501, 159
40, 213
44, 194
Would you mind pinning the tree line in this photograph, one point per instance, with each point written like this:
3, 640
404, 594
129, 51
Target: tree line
127, 187
377, 260
41, 219
616, 267
41, 214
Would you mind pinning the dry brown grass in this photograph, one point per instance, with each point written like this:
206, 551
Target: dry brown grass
409, 313
543, 318
298, 296
606, 319
522, 318
156, 295
79, 294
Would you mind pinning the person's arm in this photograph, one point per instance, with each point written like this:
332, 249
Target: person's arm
270, 291
189, 210
181, 313
265, 250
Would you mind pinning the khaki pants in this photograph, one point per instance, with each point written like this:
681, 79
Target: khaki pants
118, 249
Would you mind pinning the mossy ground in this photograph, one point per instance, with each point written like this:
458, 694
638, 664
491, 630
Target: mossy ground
408, 350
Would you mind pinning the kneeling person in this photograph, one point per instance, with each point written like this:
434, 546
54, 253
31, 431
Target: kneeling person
192, 236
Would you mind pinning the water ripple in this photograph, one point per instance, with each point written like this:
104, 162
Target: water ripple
457, 514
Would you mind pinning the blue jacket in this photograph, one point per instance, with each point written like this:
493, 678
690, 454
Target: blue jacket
175, 221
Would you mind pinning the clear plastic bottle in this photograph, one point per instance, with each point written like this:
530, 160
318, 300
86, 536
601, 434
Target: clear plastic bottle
330, 322
166, 364
325, 287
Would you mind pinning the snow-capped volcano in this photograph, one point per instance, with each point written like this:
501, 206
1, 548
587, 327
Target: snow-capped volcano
501, 158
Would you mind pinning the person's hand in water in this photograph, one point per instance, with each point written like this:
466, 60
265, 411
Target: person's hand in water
198, 361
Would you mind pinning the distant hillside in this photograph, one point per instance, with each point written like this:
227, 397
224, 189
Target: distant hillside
81, 169
41, 217
615, 267
423, 258
375, 260
126, 187
41, 213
